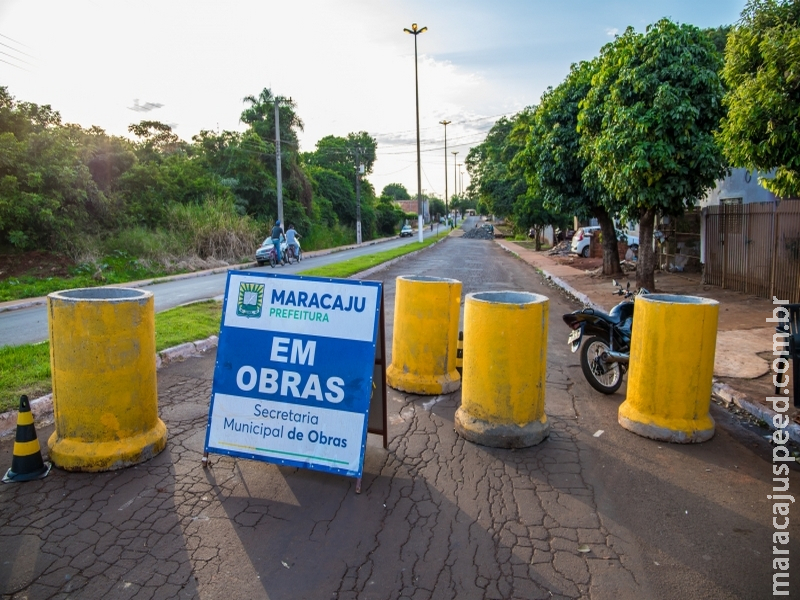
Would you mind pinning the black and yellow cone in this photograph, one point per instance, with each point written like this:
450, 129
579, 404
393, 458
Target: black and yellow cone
460, 353
27, 463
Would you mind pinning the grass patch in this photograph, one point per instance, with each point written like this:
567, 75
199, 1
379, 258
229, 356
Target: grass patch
187, 323
23, 370
117, 267
26, 369
356, 265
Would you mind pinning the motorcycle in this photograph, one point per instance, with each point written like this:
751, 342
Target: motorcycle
605, 352
291, 252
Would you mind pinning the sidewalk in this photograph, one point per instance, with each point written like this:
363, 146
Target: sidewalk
742, 374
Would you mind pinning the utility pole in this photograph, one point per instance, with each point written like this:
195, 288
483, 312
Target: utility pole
455, 174
415, 32
359, 172
446, 209
278, 159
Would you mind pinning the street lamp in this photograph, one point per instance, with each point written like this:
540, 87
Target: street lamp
415, 32
446, 209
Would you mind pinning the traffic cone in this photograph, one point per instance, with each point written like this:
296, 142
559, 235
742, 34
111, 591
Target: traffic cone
27, 463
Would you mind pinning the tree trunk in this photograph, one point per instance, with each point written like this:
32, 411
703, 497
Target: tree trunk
646, 265
610, 247
537, 238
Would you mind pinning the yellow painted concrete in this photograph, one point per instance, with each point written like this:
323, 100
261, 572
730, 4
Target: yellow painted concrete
505, 364
425, 338
105, 398
671, 368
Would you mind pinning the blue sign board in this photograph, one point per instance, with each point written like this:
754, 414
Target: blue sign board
293, 376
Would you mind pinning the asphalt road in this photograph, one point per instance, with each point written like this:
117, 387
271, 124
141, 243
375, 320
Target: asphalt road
438, 517
29, 325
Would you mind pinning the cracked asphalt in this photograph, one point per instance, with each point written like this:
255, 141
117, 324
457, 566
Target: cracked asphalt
584, 514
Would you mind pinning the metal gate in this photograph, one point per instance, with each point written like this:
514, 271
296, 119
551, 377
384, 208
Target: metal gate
754, 248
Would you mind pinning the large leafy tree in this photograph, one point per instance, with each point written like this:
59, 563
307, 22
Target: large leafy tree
762, 71
259, 115
495, 182
648, 123
555, 166
396, 191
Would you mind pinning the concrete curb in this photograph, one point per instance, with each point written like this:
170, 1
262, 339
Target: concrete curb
729, 396
389, 263
42, 408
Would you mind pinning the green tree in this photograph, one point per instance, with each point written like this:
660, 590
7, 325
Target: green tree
648, 126
555, 167
387, 215
396, 191
762, 72
496, 184
259, 115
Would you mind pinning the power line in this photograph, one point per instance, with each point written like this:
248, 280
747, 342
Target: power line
15, 41
19, 51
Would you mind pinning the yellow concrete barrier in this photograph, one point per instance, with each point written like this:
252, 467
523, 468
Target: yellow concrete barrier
505, 364
426, 313
105, 399
671, 367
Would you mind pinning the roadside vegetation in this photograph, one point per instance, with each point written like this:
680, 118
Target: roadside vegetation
647, 128
26, 369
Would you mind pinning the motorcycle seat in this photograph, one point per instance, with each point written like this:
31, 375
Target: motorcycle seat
612, 317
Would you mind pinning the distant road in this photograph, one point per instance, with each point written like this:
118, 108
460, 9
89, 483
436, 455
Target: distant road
29, 325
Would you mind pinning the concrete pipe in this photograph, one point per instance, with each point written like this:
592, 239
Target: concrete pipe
671, 367
505, 363
105, 398
425, 338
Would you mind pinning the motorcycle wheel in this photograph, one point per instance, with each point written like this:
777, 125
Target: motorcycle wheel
272, 260
604, 377
288, 257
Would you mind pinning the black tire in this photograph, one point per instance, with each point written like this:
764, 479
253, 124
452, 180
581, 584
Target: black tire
288, 257
261, 263
604, 377
585, 252
272, 260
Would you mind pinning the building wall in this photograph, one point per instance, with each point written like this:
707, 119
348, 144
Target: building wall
741, 185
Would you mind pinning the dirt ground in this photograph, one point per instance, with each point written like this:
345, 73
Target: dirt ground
37, 263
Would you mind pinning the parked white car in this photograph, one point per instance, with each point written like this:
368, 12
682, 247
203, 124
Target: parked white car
582, 240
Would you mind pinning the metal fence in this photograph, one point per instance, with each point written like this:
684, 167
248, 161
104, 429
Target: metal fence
754, 248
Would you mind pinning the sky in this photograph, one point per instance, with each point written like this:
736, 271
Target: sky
346, 64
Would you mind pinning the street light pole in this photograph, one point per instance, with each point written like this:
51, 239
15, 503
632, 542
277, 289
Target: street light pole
446, 208
415, 32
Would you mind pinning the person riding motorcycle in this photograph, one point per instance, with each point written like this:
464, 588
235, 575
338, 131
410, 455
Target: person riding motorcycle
291, 240
276, 235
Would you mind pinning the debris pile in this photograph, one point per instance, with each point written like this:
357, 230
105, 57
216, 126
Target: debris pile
561, 248
479, 233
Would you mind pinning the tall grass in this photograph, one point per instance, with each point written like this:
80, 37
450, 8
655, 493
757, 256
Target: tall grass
323, 236
215, 229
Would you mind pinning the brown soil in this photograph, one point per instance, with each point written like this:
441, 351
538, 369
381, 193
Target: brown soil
578, 262
37, 263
